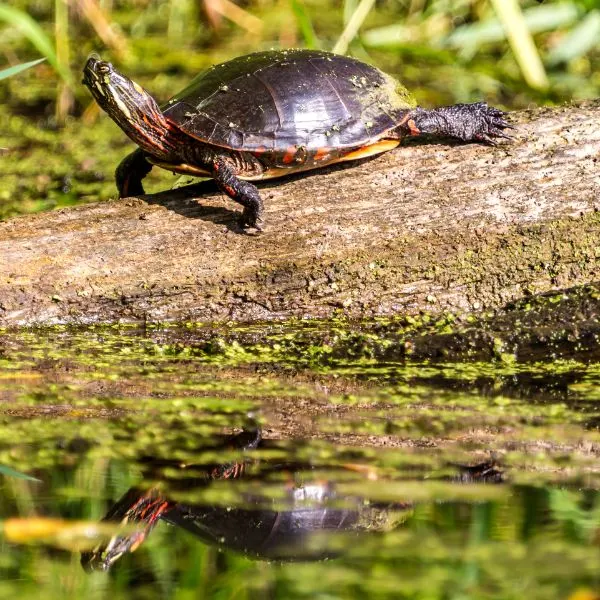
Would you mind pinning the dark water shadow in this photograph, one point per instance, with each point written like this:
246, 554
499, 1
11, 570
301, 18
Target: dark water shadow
277, 521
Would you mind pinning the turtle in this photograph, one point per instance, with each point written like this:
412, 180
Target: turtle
272, 113
289, 519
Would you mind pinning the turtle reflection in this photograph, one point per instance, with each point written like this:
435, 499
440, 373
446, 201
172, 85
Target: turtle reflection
295, 526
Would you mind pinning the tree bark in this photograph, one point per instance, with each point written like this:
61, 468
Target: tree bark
427, 227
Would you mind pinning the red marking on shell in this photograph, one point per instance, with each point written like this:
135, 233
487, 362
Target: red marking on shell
414, 130
322, 154
290, 155
404, 120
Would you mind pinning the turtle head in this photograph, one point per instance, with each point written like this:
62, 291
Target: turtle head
128, 104
137, 512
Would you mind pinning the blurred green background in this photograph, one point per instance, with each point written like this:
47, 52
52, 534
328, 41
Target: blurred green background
57, 148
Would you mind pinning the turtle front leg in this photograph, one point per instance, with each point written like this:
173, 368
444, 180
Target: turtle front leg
467, 122
241, 191
130, 172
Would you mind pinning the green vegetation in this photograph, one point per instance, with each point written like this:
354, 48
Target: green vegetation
512, 54
194, 380
84, 410
10, 71
385, 410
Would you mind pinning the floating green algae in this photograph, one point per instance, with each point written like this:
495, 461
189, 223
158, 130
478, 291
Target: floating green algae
94, 412
111, 382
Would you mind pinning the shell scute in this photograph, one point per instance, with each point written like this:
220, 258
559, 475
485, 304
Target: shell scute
279, 99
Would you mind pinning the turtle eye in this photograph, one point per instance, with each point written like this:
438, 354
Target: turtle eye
104, 68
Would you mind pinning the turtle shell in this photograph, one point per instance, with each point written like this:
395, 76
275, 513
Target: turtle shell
270, 101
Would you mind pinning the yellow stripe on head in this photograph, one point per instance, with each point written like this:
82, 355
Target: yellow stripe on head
122, 106
138, 88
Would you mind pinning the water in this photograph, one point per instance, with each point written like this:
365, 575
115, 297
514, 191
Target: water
246, 468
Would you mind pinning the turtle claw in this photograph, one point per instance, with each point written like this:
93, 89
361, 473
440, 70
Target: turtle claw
257, 226
484, 137
250, 220
488, 124
491, 137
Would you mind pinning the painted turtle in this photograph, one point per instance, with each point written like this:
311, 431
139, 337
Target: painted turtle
272, 113
290, 519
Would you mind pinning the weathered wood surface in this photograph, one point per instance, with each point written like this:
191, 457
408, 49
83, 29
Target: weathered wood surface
425, 227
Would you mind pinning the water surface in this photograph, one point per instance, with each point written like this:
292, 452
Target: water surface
250, 470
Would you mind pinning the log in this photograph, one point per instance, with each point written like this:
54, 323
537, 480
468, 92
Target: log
432, 226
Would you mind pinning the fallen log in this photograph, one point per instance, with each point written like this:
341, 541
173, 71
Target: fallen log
427, 227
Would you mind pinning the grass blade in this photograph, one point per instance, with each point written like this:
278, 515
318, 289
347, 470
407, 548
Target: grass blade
526, 53
236, 14
305, 25
99, 19
388, 36
349, 8
351, 29
490, 31
64, 96
10, 71
7, 471
36, 35
579, 41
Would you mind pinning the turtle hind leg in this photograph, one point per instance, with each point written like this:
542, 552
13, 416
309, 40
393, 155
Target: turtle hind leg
241, 191
130, 172
467, 122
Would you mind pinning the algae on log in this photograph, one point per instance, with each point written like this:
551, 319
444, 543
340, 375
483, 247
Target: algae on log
425, 227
